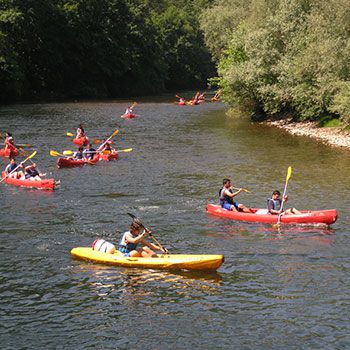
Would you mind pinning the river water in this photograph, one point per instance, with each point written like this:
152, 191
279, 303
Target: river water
286, 289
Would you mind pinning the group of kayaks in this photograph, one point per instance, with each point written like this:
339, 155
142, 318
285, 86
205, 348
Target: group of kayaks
168, 261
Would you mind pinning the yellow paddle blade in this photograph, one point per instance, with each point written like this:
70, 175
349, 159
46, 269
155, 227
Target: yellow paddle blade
125, 150
54, 153
32, 155
115, 133
68, 153
289, 173
69, 134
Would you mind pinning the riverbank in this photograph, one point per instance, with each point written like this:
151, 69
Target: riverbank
333, 136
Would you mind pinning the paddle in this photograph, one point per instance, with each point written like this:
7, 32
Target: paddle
29, 157
115, 133
244, 189
164, 250
23, 145
68, 152
289, 174
55, 154
69, 134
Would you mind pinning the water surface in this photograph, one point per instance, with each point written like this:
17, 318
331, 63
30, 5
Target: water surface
286, 289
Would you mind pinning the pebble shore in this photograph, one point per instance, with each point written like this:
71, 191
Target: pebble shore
334, 136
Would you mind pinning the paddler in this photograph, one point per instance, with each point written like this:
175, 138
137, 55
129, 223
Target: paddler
79, 153
136, 235
105, 146
226, 195
10, 145
32, 173
80, 132
89, 152
129, 110
11, 167
275, 202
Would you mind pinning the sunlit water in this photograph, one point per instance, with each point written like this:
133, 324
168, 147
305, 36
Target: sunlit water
287, 289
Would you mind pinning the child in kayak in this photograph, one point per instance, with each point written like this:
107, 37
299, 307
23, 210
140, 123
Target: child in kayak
32, 173
89, 152
9, 170
78, 154
136, 235
274, 205
226, 195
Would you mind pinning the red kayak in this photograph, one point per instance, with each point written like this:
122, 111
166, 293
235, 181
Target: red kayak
71, 163
6, 152
326, 217
44, 184
81, 141
129, 116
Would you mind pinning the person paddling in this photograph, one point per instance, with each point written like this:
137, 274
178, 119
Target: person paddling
226, 195
79, 153
135, 236
274, 205
80, 132
10, 145
32, 172
89, 152
9, 170
129, 110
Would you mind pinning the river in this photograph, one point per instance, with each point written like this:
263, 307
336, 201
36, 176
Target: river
276, 289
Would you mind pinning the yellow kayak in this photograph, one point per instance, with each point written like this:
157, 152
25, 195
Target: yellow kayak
163, 261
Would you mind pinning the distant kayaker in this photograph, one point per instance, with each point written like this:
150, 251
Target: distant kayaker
274, 205
80, 132
136, 235
89, 152
129, 110
32, 173
226, 195
10, 145
216, 96
78, 154
18, 174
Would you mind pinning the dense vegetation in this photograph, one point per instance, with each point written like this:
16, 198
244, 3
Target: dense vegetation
100, 48
280, 57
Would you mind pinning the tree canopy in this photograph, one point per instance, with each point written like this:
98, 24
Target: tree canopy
100, 48
279, 56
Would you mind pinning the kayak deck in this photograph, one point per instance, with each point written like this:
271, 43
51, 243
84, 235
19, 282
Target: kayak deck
169, 262
326, 217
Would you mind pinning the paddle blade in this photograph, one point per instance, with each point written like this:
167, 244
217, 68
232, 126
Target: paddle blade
115, 133
96, 141
69, 134
125, 150
32, 155
68, 153
54, 153
289, 173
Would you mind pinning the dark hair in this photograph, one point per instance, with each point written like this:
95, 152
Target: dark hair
80, 148
276, 192
9, 133
81, 127
225, 181
136, 224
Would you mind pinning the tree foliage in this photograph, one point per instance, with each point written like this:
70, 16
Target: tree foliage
100, 48
284, 56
